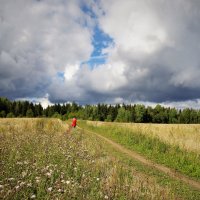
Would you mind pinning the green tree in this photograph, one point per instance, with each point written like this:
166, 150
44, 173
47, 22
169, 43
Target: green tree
10, 115
173, 116
123, 115
3, 113
185, 116
29, 113
140, 113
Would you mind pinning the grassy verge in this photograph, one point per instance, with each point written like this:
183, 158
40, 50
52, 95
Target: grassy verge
39, 161
170, 155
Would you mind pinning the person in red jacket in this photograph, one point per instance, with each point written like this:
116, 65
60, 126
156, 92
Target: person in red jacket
74, 121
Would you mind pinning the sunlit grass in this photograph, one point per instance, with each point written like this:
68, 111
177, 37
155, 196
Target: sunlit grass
38, 160
149, 144
187, 136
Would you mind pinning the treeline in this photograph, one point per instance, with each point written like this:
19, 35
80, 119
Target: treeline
101, 112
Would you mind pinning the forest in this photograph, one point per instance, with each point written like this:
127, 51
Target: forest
101, 112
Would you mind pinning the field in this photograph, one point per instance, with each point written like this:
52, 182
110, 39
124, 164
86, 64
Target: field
41, 159
152, 142
187, 136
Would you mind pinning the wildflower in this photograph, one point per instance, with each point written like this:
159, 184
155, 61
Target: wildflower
49, 189
33, 196
106, 197
17, 187
1, 186
11, 179
29, 184
48, 174
37, 181
59, 190
22, 183
24, 173
97, 179
68, 182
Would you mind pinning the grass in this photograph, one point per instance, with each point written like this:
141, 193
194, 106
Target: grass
38, 160
186, 136
182, 160
175, 188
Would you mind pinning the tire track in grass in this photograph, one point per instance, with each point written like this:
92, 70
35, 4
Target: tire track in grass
170, 172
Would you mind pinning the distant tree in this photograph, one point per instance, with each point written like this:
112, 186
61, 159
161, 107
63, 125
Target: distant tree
38, 110
10, 115
25, 105
109, 118
57, 115
3, 113
193, 116
185, 116
140, 113
123, 115
173, 116
112, 113
5, 104
29, 113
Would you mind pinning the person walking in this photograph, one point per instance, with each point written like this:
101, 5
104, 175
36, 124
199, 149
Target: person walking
74, 121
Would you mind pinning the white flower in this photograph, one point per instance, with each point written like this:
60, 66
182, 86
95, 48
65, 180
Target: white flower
11, 179
49, 189
17, 187
29, 184
1, 186
68, 182
33, 196
24, 173
25, 162
106, 197
22, 183
59, 190
37, 181
97, 179
48, 174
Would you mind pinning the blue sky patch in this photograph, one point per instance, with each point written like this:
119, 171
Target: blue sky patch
60, 75
100, 41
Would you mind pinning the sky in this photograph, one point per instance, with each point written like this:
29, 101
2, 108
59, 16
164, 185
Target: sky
101, 51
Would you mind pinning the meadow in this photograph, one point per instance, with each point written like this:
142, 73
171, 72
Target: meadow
186, 136
164, 144
40, 159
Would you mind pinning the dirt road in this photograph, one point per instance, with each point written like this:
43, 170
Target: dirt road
134, 155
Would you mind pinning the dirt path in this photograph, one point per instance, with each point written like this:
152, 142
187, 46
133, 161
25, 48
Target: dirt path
166, 170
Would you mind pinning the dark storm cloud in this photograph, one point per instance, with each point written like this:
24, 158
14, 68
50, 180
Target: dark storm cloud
154, 55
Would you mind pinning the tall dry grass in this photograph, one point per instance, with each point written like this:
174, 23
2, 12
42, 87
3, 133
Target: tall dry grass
187, 136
